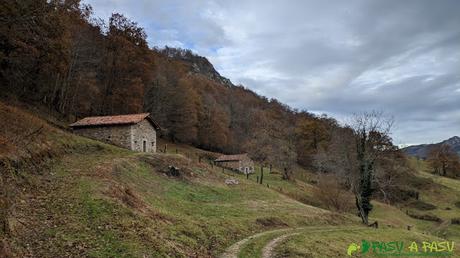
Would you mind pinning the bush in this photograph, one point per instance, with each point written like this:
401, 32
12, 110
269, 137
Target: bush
457, 204
331, 195
421, 205
397, 194
271, 222
420, 182
427, 217
455, 221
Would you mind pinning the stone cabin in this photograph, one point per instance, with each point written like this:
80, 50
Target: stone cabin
239, 162
137, 132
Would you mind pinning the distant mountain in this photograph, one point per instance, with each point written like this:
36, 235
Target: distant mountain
199, 64
421, 151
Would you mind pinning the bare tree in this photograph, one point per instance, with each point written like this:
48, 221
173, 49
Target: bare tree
371, 136
443, 160
392, 171
331, 194
353, 153
274, 143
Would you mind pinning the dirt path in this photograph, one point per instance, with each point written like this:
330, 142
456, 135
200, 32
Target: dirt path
234, 250
267, 251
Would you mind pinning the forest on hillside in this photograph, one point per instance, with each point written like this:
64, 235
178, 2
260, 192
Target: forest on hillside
56, 54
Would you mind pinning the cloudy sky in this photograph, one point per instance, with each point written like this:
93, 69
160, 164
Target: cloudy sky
334, 57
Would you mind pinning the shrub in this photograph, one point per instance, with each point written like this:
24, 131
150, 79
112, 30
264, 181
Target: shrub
457, 204
270, 222
421, 205
397, 194
427, 217
420, 182
455, 221
331, 195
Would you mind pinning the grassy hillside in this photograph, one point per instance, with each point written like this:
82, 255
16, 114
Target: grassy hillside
64, 195
440, 200
334, 242
93, 199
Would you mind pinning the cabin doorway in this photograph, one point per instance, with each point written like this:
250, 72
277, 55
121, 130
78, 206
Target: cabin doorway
144, 146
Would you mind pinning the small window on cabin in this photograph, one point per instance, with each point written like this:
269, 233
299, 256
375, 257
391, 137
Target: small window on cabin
153, 144
135, 142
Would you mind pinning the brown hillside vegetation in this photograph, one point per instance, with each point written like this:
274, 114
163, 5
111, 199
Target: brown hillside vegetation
76, 197
62, 195
65, 59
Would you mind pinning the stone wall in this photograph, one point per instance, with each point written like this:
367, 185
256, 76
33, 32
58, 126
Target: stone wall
144, 132
235, 165
240, 165
247, 163
119, 135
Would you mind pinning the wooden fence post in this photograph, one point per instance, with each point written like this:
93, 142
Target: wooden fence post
261, 174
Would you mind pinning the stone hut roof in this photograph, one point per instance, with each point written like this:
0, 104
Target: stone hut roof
114, 120
235, 157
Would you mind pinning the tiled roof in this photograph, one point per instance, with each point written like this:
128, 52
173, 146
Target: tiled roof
110, 120
235, 157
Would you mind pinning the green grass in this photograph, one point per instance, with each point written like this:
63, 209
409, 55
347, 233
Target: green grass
444, 196
393, 222
335, 243
254, 248
443, 193
214, 213
124, 206
96, 200
111, 203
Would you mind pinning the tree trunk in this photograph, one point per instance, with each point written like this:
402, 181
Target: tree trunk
444, 169
286, 175
361, 212
261, 175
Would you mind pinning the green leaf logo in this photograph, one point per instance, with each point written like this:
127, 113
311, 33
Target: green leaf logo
352, 248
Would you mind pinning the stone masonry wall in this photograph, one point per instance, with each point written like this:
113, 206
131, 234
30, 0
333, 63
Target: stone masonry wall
239, 165
247, 162
119, 135
143, 131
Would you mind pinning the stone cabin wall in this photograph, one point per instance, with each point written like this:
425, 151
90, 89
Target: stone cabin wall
247, 162
239, 165
230, 164
143, 132
119, 135
131, 137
